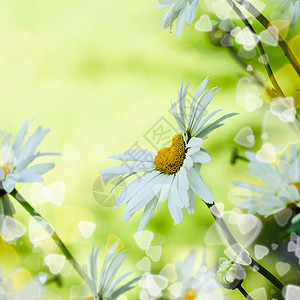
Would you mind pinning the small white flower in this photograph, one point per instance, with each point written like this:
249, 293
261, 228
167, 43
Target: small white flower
172, 171
200, 285
183, 10
107, 288
17, 155
289, 9
281, 188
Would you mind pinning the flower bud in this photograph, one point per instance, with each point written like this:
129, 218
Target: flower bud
230, 274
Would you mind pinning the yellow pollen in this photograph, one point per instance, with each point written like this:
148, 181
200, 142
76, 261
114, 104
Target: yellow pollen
296, 184
190, 294
7, 168
169, 159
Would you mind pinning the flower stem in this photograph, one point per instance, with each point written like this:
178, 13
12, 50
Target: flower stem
260, 48
240, 251
251, 72
245, 294
281, 42
54, 236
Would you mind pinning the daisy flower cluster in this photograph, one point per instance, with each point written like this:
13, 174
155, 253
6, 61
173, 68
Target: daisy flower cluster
280, 185
172, 172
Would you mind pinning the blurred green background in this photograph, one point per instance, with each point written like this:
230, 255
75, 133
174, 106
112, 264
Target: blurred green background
100, 76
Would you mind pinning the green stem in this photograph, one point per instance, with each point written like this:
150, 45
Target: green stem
260, 48
54, 236
281, 42
251, 72
245, 294
240, 251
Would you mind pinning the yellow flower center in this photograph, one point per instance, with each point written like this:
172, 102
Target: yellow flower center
7, 168
169, 159
190, 294
297, 185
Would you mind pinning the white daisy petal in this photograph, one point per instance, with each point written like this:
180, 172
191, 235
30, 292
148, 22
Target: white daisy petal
141, 198
8, 184
190, 209
148, 211
135, 155
201, 157
133, 187
188, 162
194, 142
175, 192
127, 168
191, 12
199, 187
175, 211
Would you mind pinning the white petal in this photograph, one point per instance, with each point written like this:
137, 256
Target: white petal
175, 192
148, 212
135, 155
133, 187
166, 186
188, 162
127, 168
37, 169
183, 181
175, 211
201, 157
141, 198
180, 22
198, 93
194, 142
199, 187
190, 209
191, 12
19, 139
8, 184
32, 143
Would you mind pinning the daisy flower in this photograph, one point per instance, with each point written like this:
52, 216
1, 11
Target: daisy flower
107, 287
192, 285
290, 10
281, 184
183, 10
17, 155
172, 172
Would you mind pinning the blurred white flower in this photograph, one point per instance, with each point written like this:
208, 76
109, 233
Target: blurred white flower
183, 10
32, 290
281, 184
172, 171
289, 9
19, 154
200, 285
107, 288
